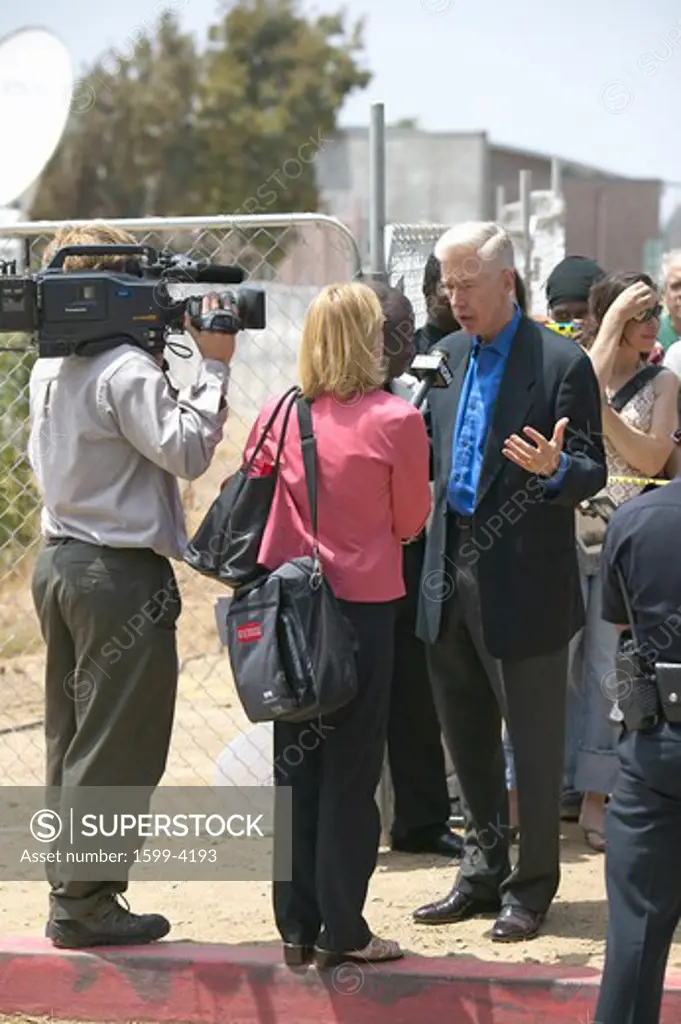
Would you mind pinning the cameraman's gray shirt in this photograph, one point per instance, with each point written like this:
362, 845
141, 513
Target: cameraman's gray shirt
108, 438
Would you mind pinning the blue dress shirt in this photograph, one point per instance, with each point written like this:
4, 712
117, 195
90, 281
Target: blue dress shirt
479, 394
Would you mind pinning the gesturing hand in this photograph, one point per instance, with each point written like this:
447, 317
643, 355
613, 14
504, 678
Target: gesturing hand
543, 459
632, 301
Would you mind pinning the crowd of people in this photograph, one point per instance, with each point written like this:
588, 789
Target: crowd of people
464, 543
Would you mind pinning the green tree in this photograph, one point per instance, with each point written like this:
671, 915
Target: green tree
274, 84
160, 128
129, 146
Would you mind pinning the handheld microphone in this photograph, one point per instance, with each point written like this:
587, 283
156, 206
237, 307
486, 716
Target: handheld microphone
433, 371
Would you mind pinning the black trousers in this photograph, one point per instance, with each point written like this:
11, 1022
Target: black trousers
415, 754
108, 619
473, 693
333, 767
643, 833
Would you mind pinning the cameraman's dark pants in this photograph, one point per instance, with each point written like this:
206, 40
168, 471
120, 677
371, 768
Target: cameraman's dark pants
333, 766
643, 876
108, 618
415, 751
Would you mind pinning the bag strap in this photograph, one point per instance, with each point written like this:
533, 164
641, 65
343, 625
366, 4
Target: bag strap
633, 386
292, 393
309, 449
627, 605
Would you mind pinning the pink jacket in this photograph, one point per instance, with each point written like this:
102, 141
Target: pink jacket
373, 492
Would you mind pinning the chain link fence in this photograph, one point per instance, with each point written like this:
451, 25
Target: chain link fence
292, 257
408, 247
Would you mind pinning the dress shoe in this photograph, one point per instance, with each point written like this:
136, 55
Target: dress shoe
516, 924
456, 906
456, 817
445, 843
296, 955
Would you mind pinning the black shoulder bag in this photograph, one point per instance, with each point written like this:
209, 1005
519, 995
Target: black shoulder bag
593, 515
227, 543
291, 648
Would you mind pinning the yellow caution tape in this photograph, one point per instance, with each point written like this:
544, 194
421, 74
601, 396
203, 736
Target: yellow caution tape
643, 481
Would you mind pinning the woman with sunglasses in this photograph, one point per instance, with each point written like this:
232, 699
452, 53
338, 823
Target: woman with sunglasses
619, 334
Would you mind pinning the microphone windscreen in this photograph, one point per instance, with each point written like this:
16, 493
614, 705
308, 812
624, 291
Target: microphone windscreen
219, 274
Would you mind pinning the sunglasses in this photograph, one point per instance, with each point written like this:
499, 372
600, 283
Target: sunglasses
649, 314
567, 329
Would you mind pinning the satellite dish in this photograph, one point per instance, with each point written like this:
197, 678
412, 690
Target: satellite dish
36, 87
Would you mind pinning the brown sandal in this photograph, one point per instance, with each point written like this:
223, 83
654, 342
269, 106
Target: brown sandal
376, 951
595, 839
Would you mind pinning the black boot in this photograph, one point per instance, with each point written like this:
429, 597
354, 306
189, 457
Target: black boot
110, 924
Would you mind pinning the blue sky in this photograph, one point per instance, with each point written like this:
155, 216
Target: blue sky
592, 80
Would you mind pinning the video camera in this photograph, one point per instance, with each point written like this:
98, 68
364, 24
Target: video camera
84, 312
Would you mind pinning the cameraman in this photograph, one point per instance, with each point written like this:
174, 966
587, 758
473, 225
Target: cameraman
643, 818
109, 435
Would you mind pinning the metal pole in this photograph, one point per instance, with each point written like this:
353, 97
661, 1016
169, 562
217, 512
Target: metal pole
556, 177
525, 212
378, 271
377, 267
501, 201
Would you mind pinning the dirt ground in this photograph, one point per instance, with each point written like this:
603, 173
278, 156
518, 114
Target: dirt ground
208, 715
239, 912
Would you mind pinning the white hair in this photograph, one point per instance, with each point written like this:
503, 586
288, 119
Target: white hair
668, 261
490, 241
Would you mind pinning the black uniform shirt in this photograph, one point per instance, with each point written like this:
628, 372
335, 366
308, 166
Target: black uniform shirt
427, 337
644, 540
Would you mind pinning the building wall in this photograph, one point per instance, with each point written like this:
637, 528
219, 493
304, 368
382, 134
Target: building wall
504, 169
429, 177
606, 217
612, 220
446, 178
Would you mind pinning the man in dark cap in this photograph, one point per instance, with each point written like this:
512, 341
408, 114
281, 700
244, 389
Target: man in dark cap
568, 287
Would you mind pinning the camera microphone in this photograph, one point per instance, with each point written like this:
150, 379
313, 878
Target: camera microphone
214, 273
433, 371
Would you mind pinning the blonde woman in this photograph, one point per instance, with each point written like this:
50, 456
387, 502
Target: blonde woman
373, 493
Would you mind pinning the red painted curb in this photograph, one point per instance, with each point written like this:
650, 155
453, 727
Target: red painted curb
180, 982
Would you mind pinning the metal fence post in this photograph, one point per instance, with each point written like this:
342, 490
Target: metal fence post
377, 214
500, 202
378, 271
525, 214
556, 177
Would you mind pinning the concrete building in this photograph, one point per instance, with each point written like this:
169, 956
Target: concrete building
454, 176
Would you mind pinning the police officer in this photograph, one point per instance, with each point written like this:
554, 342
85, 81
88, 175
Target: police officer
109, 436
643, 819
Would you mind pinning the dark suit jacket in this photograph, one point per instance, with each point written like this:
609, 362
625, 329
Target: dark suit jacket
523, 538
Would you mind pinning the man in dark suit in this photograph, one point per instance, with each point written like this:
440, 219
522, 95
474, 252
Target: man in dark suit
517, 445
